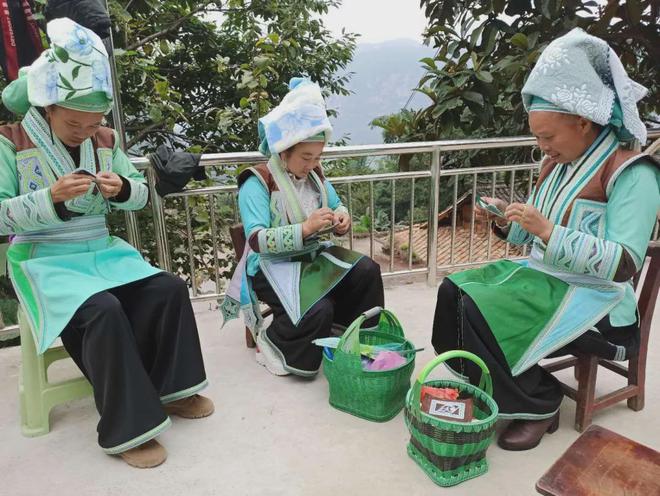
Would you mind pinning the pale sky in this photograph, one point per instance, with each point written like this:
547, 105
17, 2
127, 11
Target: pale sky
378, 20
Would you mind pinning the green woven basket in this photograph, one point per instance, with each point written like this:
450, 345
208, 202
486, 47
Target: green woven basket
452, 452
372, 395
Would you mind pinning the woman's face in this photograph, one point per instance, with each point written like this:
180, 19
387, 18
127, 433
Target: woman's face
562, 137
73, 127
300, 159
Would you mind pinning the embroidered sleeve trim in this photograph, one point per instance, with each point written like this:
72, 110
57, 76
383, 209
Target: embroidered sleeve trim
8, 142
280, 239
341, 209
137, 198
518, 236
29, 212
582, 253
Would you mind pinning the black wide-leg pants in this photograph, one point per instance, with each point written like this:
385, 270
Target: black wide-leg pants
138, 346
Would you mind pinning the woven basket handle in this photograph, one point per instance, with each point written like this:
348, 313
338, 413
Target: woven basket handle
350, 343
485, 383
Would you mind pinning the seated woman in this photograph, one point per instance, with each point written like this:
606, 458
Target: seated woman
588, 221
284, 205
128, 326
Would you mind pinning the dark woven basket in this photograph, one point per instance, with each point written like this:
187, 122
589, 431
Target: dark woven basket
452, 452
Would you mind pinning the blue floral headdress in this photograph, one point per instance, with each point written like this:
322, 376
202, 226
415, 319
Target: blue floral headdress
73, 73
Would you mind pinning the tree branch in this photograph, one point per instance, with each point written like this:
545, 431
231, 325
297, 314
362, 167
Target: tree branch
144, 132
166, 31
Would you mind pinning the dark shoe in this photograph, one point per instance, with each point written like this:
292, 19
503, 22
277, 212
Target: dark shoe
523, 435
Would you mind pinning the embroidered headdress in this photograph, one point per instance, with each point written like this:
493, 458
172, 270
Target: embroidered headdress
73, 73
301, 116
580, 74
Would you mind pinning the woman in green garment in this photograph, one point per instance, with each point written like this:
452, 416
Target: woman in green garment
128, 326
588, 221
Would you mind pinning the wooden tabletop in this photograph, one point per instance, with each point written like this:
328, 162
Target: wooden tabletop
603, 463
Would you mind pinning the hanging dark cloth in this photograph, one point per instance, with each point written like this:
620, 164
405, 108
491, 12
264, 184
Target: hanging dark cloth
21, 41
89, 13
175, 169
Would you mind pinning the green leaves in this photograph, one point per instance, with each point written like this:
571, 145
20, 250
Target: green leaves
520, 40
61, 53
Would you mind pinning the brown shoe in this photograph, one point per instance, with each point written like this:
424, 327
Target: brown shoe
192, 407
147, 455
523, 435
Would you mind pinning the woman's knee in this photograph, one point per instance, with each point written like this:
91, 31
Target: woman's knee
323, 312
165, 287
103, 303
447, 291
367, 267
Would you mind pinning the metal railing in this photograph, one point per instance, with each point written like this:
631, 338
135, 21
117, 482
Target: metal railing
435, 176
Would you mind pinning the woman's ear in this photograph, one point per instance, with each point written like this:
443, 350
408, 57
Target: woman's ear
585, 126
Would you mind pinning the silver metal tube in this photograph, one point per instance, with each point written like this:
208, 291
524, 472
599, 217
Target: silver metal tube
214, 239
411, 223
392, 217
489, 251
132, 229
160, 230
350, 212
511, 191
453, 220
372, 213
471, 242
189, 240
432, 233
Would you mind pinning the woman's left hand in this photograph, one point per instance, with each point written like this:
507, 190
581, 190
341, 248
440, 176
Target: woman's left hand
343, 223
530, 219
109, 184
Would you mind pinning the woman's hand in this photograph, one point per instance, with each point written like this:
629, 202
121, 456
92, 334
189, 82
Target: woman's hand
109, 184
70, 186
485, 215
319, 219
530, 219
342, 220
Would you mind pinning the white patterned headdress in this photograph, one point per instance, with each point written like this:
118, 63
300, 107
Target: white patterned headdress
582, 75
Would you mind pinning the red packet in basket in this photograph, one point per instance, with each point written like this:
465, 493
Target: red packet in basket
455, 410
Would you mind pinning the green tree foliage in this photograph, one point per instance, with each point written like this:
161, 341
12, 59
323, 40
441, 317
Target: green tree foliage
486, 49
200, 74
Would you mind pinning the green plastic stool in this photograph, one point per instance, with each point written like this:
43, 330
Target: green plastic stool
38, 396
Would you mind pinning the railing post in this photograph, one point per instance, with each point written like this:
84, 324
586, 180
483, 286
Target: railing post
132, 230
434, 209
160, 230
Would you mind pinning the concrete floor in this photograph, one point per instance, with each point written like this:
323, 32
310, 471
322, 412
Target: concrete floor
278, 435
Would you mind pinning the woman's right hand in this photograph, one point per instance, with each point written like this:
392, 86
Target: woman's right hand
70, 186
483, 214
319, 219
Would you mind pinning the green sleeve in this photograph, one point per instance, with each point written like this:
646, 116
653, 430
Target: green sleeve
630, 215
632, 209
139, 191
21, 213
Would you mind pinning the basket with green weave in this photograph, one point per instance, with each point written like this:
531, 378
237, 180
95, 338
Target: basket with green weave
452, 452
372, 395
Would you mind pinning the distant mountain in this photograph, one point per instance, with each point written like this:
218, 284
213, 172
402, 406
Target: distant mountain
385, 74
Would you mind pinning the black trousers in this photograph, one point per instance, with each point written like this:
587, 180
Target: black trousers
138, 346
360, 290
458, 324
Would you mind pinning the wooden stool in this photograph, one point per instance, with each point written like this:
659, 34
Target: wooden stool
603, 463
586, 366
237, 234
